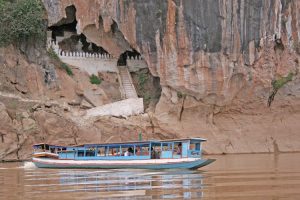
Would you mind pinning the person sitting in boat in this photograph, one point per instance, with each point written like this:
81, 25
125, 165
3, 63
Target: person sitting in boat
138, 151
152, 153
179, 149
129, 152
130, 149
126, 153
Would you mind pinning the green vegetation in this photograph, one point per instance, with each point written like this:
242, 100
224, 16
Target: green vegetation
53, 55
277, 84
142, 79
64, 66
95, 80
67, 69
147, 98
180, 95
21, 20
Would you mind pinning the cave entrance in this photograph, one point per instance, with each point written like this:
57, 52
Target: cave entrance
122, 61
65, 25
64, 33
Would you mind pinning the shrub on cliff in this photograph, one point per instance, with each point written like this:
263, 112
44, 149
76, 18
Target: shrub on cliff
21, 20
95, 79
62, 65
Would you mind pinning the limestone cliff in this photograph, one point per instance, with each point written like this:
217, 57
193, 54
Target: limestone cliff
228, 68
216, 61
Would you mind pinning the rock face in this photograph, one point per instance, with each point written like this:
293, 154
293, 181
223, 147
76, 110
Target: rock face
228, 70
216, 61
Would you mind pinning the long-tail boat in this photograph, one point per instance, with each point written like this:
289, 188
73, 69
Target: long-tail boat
153, 154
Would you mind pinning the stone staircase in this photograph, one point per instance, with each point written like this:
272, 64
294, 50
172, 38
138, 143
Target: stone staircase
127, 87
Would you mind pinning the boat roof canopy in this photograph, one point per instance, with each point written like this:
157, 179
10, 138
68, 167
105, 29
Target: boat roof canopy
42, 144
141, 143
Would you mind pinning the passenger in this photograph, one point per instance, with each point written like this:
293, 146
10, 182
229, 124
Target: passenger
137, 151
154, 154
130, 150
126, 153
179, 149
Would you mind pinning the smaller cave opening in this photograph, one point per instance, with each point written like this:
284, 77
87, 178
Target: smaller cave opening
64, 34
65, 25
59, 31
122, 61
91, 47
2, 137
114, 27
278, 47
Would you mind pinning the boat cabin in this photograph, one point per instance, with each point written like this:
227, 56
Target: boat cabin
141, 150
47, 150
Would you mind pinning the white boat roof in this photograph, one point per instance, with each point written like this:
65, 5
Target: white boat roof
142, 142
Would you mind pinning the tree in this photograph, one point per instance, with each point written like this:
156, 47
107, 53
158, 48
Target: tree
21, 20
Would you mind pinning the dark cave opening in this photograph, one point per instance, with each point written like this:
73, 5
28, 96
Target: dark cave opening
64, 33
122, 61
66, 24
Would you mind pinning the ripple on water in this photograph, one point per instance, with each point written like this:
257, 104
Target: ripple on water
238, 177
29, 165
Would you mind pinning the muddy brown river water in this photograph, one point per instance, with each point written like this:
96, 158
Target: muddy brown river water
231, 177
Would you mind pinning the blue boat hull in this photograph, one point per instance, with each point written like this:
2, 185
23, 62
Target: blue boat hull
46, 163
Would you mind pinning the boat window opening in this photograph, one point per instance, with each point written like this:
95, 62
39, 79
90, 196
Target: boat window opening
64, 149
114, 151
52, 150
80, 153
127, 150
167, 147
192, 146
101, 151
90, 152
38, 148
46, 146
142, 150
155, 150
145, 151
177, 148
195, 146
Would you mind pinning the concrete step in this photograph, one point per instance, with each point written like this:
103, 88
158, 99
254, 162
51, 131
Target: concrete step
129, 91
127, 84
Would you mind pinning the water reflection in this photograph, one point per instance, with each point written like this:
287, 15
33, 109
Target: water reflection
117, 183
231, 177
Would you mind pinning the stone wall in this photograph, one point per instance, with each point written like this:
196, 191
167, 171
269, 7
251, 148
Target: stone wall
95, 62
91, 65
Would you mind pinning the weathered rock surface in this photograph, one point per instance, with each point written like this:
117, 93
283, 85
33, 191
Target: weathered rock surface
52, 126
216, 61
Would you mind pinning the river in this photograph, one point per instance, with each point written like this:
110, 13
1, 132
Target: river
230, 177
